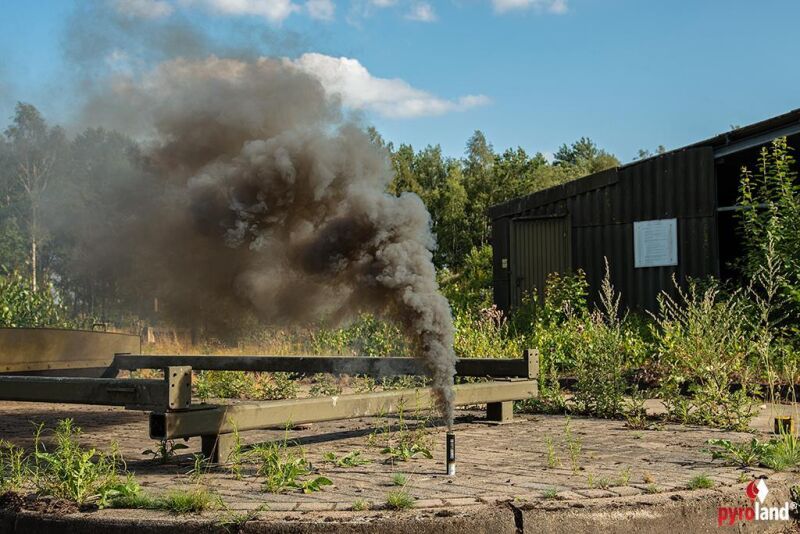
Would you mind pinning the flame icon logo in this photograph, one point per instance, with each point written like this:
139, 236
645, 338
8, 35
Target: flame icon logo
752, 490
757, 488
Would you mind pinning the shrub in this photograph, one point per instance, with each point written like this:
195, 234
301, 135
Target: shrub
770, 197
471, 288
604, 356
485, 334
22, 306
703, 348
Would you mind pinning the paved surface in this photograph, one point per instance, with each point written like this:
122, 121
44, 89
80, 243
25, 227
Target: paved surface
539, 457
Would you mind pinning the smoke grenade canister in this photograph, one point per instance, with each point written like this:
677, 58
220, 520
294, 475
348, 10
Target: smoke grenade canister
451, 454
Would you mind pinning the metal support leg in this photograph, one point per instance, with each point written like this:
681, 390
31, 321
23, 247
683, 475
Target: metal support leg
500, 412
217, 448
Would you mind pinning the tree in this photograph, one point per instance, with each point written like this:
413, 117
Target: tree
34, 150
583, 157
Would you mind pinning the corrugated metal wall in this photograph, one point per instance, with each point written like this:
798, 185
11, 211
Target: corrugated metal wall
538, 247
602, 209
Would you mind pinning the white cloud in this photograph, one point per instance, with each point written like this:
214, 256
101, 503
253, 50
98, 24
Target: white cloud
146, 9
391, 97
557, 7
321, 9
382, 3
272, 10
422, 12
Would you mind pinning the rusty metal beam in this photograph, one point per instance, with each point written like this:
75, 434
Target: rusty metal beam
526, 367
215, 420
131, 393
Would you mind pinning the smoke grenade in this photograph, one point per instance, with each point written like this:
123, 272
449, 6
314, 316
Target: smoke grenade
451, 454
260, 198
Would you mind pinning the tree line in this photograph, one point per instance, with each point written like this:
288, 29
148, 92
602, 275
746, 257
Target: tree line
50, 180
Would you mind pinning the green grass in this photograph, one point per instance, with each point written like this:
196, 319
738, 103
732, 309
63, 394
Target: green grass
700, 482
550, 493
399, 500
192, 501
624, 477
399, 479
188, 502
652, 489
359, 505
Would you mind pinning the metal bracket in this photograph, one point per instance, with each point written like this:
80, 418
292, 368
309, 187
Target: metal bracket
179, 383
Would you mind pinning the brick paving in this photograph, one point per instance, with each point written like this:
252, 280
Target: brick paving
575, 458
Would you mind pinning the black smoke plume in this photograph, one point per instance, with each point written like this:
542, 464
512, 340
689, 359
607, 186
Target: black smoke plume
262, 197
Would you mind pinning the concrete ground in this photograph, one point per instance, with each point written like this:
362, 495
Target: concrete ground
541, 459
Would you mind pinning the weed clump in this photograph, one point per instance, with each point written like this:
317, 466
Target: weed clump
399, 500
700, 482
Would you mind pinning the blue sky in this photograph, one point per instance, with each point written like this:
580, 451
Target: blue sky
629, 74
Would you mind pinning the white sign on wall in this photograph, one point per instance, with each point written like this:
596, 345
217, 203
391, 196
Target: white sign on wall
655, 243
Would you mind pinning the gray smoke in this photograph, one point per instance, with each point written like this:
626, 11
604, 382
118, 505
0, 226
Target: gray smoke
261, 197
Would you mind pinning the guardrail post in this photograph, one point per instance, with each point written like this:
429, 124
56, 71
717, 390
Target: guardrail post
179, 380
531, 357
217, 448
500, 412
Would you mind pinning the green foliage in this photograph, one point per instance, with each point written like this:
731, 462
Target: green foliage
778, 454
245, 385
13, 467
770, 217
602, 358
366, 336
193, 501
405, 450
584, 157
351, 459
550, 493
574, 447
277, 386
325, 385
22, 306
399, 479
237, 454
485, 334
406, 443
164, 450
359, 505
700, 482
399, 500
283, 468
471, 287
743, 455
314, 484
179, 501
72, 472
704, 346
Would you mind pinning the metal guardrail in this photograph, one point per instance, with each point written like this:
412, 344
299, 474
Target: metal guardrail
525, 367
214, 420
174, 416
130, 393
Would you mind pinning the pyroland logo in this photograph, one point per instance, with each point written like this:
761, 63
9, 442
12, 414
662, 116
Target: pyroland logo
757, 492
